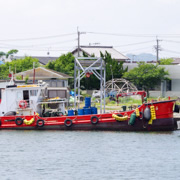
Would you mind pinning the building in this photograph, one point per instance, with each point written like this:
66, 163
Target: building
168, 88
58, 82
176, 61
97, 50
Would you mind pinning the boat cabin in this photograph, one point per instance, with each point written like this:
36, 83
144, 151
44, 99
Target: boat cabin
28, 99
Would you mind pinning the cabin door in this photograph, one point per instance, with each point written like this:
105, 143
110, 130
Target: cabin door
26, 95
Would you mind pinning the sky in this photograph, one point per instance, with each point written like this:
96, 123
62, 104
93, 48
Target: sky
42, 27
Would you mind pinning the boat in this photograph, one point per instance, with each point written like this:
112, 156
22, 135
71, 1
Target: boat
26, 107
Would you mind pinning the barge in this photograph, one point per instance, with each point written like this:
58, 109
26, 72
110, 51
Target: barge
26, 107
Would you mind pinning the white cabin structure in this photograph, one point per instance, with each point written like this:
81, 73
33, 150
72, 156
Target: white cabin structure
27, 100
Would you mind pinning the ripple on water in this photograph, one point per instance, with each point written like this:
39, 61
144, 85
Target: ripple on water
89, 155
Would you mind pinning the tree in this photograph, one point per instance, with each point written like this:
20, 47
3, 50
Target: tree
64, 64
113, 66
146, 75
166, 61
11, 52
18, 65
2, 54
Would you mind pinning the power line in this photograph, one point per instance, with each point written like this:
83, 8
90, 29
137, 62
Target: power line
171, 41
60, 42
166, 50
37, 38
136, 35
134, 44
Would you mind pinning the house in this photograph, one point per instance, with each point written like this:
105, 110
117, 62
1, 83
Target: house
176, 61
97, 50
169, 88
58, 82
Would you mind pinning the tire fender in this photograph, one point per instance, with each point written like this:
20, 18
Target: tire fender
94, 119
19, 121
68, 122
40, 123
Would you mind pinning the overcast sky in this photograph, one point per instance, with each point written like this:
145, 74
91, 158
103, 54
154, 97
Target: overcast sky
131, 26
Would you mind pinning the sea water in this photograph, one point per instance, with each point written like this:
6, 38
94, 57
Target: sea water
89, 155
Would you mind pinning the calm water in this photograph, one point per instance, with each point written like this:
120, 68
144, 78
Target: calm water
89, 155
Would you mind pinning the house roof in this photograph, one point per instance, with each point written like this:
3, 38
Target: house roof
45, 60
176, 61
90, 50
43, 73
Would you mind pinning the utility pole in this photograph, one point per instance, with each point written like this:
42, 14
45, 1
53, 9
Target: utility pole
157, 48
78, 40
79, 33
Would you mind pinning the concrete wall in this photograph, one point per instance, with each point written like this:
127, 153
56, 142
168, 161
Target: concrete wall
175, 84
167, 94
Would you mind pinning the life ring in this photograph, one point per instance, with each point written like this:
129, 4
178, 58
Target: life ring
94, 119
68, 122
19, 121
23, 104
40, 122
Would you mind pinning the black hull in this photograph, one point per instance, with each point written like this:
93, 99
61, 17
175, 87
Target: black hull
158, 125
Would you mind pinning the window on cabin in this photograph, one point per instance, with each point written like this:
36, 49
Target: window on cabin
33, 92
60, 84
54, 84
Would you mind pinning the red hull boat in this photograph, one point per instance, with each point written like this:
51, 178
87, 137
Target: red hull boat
155, 116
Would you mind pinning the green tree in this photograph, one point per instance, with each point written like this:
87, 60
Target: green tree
113, 67
166, 61
146, 76
11, 52
64, 64
2, 54
18, 65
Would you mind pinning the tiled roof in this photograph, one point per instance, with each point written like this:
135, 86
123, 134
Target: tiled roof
43, 73
95, 50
